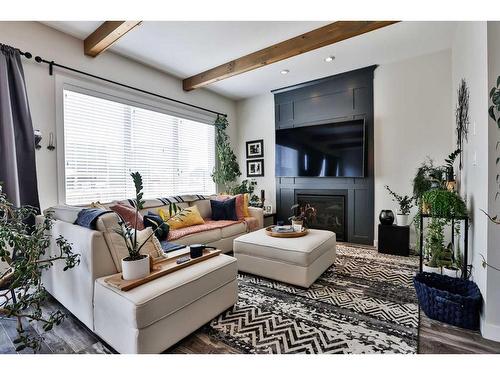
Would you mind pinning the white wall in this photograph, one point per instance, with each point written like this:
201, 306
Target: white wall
256, 116
412, 120
469, 61
491, 323
54, 45
412, 100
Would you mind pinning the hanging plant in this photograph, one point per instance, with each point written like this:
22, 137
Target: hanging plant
462, 117
226, 170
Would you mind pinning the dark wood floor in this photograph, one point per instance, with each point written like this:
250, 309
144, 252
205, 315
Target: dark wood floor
73, 337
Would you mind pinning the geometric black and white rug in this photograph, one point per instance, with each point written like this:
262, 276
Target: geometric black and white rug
365, 303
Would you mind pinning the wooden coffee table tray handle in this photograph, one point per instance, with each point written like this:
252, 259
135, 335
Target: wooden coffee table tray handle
160, 268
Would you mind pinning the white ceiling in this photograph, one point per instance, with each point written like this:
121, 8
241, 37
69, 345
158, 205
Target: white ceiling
186, 48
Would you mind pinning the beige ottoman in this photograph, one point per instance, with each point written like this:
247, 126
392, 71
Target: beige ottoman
152, 317
299, 261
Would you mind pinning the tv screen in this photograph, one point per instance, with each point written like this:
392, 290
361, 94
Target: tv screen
331, 150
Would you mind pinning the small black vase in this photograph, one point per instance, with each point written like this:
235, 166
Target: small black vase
386, 217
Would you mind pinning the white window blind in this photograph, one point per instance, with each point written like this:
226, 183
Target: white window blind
105, 140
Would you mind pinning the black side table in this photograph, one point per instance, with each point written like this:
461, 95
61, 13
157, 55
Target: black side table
394, 239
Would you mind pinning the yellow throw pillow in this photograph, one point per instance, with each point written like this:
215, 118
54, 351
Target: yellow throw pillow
185, 218
245, 205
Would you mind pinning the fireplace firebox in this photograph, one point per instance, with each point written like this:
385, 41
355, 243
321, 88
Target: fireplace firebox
330, 212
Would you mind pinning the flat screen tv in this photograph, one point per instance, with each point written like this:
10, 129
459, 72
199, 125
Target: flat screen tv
330, 150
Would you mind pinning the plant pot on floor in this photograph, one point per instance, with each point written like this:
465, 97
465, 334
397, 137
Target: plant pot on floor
297, 225
402, 220
135, 269
429, 269
452, 272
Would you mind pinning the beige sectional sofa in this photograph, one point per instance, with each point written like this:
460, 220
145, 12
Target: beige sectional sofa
144, 325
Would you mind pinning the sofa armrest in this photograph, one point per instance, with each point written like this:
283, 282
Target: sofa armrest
74, 288
257, 213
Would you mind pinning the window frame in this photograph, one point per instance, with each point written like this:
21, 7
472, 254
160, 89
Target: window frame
124, 96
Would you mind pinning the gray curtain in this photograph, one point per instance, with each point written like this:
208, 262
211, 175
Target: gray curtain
17, 144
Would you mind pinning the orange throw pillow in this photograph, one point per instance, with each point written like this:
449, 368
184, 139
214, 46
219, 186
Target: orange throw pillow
128, 215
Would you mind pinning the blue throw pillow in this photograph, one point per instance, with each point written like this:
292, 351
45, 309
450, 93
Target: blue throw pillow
154, 221
224, 210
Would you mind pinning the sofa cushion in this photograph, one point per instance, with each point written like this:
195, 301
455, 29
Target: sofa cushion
205, 236
234, 229
65, 213
204, 207
208, 226
157, 299
301, 251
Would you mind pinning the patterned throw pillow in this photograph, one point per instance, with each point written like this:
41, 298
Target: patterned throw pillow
187, 217
128, 215
224, 210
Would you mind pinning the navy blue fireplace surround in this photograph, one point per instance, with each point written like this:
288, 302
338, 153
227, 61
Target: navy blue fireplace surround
340, 98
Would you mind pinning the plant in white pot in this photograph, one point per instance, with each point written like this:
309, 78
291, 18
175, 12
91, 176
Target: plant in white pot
405, 204
135, 265
450, 266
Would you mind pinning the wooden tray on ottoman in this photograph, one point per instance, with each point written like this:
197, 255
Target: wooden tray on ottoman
161, 268
270, 232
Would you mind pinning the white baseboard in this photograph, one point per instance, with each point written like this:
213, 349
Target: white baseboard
489, 331
375, 243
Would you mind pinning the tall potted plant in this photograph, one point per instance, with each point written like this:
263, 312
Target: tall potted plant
135, 265
23, 249
405, 204
226, 170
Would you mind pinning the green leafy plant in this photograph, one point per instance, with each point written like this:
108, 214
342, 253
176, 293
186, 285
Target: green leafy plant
226, 170
127, 231
245, 186
434, 241
23, 249
444, 204
449, 162
494, 108
428, 177
405, 202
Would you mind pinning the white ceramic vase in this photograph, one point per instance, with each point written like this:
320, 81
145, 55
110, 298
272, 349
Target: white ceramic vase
402, 220
135, 269
452, 272
426, 268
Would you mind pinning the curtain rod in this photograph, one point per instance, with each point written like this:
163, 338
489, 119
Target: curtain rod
53, 64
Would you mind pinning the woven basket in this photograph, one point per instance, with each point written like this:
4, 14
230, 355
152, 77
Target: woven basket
448, 299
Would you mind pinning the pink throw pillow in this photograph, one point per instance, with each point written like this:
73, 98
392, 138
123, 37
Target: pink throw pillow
240, 202
128, 214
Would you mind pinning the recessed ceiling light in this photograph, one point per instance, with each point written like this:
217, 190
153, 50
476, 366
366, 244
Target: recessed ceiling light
329, 58
285, 71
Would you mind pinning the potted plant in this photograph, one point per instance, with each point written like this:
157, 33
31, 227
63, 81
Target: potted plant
405, 204
302, 217
434, 245
450, 173
23, 249
226, 170
444, 204
135, 265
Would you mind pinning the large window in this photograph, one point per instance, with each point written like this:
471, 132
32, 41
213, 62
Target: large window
105, 140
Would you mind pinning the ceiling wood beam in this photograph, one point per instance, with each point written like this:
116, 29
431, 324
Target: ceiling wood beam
105, 35
326, 35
